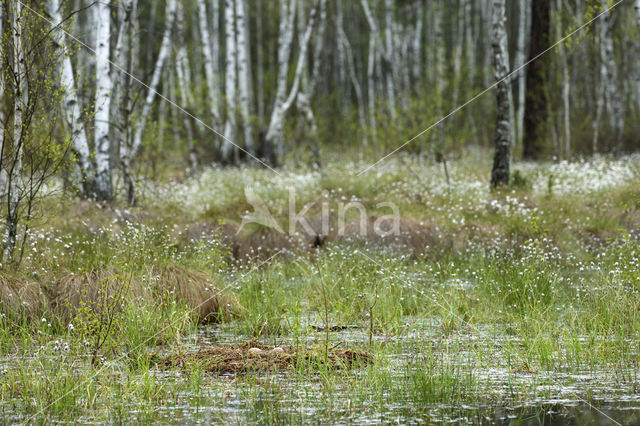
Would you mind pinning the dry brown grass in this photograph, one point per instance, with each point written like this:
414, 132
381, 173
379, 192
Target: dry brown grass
21, 298
89, 289
198, 291
253, 356
262, 243
412, 236
193, 288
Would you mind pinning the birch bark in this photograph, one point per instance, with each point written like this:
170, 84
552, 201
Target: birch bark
385, 50
275, 132
244, 73
129, 152
20, 101
356, 85
230, 77
70, 104
208, 55
566, 84
610, 78
104, 87
521, 55
306, 94
501, 159
637, 8
183, 90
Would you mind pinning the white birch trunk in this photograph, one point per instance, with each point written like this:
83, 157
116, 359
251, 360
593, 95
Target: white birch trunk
417, 70
104, 86
503, 133
521, 55
275, 132
566, 85
124, 55
208, 53
14, 167
469, 42
244, 73
614, 104
342, 39
637, 8
439, 71
371, 88
129, 152
260, 67
230, 77
70, 105
388, 55
341, 53
305, 96
457, 54
285, 37
183, 90
3, 172
385, 50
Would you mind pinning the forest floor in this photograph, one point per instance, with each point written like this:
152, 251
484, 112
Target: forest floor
519, 305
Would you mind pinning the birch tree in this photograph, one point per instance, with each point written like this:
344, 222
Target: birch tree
209, 53
521, 55
350, 62
230, 77
610, 76
185, 96
70, 104
3, 57
305, 95
129, 151
104, 86
637, 8
283, 101
536, 112
566, 83
124, 57
385, 50
13, 159
502, 138
244, 73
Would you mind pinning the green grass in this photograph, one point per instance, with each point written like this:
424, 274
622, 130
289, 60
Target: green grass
535, 299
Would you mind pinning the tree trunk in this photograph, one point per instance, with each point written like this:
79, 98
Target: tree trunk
104, 87
275, 133
228, 150
14, 166
129, 152
371, 88
208, 54
183, 74
390, 64
521, 55
244, 73
385, 50
438, 15
342, 39
610, 77
502, 139
637, 7
71, 106
535, 115
305, 96
566, 85
417, 68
